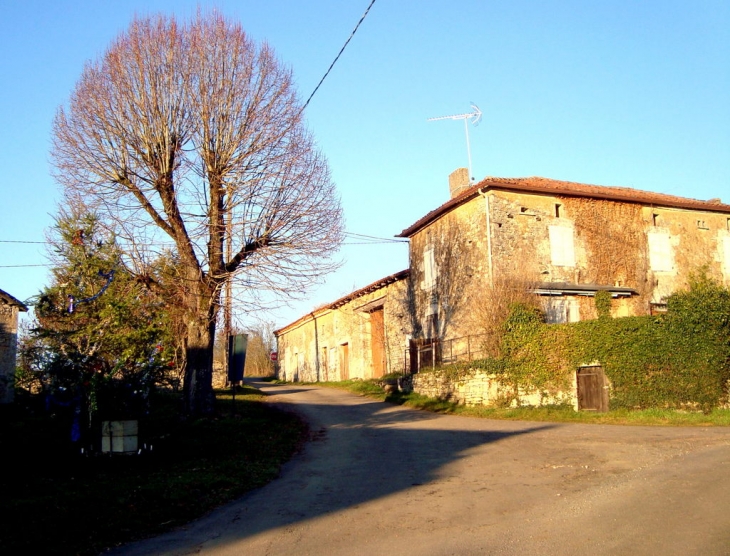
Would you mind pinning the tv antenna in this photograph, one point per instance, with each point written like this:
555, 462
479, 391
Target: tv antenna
475, 116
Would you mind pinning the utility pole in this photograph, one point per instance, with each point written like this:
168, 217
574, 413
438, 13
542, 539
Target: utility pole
228, 294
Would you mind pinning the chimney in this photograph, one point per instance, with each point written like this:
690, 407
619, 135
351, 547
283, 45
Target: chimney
459, 181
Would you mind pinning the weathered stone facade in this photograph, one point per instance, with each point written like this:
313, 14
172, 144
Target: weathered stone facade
9, 308
554, 242
564, 241
362, 335
475, 387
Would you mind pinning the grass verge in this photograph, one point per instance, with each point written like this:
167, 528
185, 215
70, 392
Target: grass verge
56, 502
560, 414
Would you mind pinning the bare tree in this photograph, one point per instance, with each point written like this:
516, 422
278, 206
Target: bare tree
491, 305
261, 342
192, 134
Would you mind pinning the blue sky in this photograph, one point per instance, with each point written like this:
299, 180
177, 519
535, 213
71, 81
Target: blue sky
608, 92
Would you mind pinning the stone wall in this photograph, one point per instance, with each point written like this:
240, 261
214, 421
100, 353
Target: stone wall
8, 350
336, 343
452, 261
611, 244
455, 249
474, 387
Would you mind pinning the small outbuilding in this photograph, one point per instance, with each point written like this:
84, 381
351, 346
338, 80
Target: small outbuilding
9, 309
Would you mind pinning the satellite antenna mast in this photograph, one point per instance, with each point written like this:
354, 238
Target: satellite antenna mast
475, 116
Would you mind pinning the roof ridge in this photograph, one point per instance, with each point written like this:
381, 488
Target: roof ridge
539, 184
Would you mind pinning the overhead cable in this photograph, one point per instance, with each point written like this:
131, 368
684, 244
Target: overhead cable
338, 55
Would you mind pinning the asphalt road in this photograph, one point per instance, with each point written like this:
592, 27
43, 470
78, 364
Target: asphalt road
382, 479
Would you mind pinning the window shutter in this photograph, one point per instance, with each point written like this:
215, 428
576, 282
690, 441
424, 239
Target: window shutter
660, 252
726, 255
429, 269
562, 250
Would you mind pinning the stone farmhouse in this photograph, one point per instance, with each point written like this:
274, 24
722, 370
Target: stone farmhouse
558, 240
9, 309
358, 336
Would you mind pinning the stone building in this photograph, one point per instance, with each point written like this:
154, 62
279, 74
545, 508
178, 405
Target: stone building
562, 241
362, 335
557, 242
9, 309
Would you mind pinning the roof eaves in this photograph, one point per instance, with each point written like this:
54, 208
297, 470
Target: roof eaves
10, 300
449, 205
378, 284
548, 186
321, 311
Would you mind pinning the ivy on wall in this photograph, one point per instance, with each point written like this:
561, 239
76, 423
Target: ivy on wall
614, 235
678, 360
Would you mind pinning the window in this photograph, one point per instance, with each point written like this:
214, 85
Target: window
725, 247
429, 269
561, 309
660, 252
562, 251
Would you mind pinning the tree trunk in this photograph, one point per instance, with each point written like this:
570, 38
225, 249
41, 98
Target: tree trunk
198, 383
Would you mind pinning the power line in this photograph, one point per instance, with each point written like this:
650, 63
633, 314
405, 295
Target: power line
379, 241
374, 239
372, 242
338, 55
169, 243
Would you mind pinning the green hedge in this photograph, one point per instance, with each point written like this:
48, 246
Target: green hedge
677, 360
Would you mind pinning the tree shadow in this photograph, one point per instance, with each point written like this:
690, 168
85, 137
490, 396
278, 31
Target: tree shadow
359, 451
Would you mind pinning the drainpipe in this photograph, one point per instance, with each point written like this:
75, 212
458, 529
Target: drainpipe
487, 212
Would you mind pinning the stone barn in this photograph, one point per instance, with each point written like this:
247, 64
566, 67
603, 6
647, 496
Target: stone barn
361, 335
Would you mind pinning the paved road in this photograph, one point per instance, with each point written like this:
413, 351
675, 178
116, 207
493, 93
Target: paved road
380, 479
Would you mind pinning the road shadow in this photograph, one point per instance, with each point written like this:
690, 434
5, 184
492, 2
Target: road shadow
360, 451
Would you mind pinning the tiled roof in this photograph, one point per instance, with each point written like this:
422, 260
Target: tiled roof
370, 288
567, 189
5, 297
378, 284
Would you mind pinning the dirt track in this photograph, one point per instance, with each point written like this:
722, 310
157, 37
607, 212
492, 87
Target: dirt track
380, 479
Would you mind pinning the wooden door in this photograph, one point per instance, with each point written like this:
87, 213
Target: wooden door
413, 356
377, 342
344, 362
592, 389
